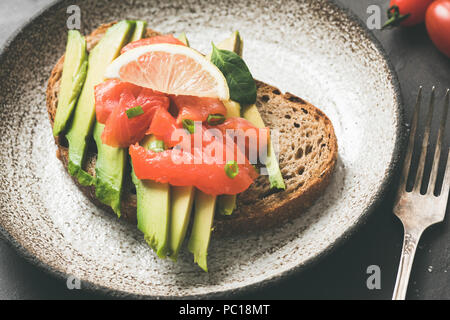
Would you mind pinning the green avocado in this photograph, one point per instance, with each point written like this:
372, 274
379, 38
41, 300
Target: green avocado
183, 38
180, 212
139, 30
109, 171
111, 162
80, 130
227, 203
233, 43
233, 108
252, 114
153, 208
204, 207
72, 79
182, 199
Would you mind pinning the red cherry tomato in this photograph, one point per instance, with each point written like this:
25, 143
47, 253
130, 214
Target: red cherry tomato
410, 12
437, 22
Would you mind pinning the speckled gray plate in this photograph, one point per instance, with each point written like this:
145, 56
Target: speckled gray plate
313, 49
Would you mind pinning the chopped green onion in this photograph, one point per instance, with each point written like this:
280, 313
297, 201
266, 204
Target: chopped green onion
189, 125
157, 146
231, 169
215, 119
134, 112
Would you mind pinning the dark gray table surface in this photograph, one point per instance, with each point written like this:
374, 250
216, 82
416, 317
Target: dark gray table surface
342, 274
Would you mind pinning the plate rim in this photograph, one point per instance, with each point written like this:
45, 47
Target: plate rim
392, 168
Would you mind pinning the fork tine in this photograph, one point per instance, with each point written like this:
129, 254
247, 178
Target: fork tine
426, 137
437, 152
409, 150
446, 183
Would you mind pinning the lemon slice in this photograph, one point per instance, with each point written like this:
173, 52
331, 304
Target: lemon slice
172, 69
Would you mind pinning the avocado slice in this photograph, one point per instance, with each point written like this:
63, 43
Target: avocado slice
80, 130
153, 208
139, 30
109, 171
180, 212
236, 44
233, 108
233, 43
111, 162
182, 199
252, 114
72, 79
204, 207
183, 38
227, 203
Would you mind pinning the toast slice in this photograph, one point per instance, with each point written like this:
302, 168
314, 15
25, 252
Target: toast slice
307, 157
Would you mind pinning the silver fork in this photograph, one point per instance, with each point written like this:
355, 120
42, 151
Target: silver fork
416, 211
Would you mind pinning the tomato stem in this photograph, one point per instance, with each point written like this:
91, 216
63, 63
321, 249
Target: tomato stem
394, 17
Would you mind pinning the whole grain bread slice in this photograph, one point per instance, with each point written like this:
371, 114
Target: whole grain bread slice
307, 156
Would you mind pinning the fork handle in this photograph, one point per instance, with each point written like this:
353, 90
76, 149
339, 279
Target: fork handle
410, 241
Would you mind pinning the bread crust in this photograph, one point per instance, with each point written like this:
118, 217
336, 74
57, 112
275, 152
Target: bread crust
250, 216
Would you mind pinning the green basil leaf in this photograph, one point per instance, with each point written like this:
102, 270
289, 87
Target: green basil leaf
134, 112
240, 81
231, 169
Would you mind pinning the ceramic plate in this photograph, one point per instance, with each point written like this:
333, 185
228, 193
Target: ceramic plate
313, 49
